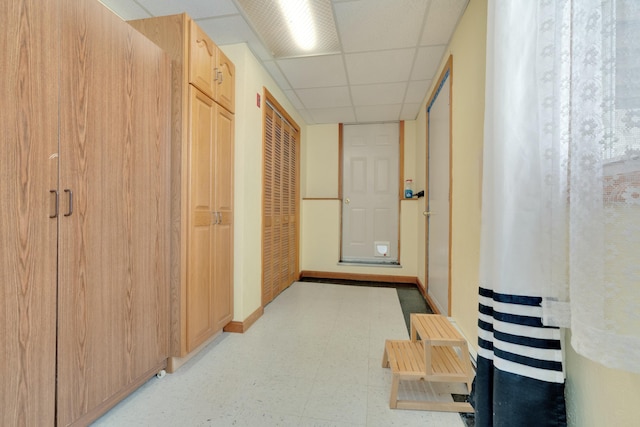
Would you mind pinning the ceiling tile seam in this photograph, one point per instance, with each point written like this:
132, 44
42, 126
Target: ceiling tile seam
349, 84
143, 8
344, 61
214, 17
417, 49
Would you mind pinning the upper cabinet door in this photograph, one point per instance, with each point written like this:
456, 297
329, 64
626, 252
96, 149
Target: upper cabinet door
202, 60
226, 80
28, 226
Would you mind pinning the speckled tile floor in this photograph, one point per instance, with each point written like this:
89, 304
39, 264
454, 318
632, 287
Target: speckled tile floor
312, 359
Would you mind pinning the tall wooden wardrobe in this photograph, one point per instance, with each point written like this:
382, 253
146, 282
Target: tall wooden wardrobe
203, 100
84, 211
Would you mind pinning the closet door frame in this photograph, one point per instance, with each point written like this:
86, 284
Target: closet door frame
272, 267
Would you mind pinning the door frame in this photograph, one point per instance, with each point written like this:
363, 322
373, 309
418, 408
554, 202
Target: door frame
447, 72
400, 183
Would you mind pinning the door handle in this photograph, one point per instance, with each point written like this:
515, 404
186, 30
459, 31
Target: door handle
55, 212
427, 213
70, 211
347, 201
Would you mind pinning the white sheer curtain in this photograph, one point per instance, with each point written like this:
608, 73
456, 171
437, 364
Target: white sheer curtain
561, 191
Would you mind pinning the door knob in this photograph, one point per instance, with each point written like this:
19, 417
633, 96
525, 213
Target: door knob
426, 213
347, 201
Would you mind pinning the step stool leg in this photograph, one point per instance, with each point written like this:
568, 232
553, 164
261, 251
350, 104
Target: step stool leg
393, 398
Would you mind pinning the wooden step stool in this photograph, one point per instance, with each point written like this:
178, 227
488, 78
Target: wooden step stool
432, 358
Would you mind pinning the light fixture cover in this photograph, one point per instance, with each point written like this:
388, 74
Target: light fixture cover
269, 21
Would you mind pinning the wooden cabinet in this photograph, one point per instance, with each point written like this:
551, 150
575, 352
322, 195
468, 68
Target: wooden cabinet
225, 82
201, 182
209, 68
84, 218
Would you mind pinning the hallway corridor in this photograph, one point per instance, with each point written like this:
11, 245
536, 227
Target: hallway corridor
312, 359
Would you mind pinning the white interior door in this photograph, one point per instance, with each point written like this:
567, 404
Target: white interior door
438, 198
370, 193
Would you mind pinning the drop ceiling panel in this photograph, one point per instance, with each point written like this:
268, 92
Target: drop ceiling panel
195, 8
295, 101
379, 24
314, 71
427, 61
227, 30
277, 75
442, 18
333, 115
378, 113
416, 91
325, 97
379, 67
126, 9
387, 53
389, 93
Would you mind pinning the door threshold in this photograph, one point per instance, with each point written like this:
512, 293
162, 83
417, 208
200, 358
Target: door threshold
393, 264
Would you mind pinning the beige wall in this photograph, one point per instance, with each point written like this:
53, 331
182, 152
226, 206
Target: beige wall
251, 77
598, 396
320, 219
468, 48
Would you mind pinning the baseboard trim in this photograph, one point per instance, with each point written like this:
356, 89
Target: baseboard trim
242, 327
359, 277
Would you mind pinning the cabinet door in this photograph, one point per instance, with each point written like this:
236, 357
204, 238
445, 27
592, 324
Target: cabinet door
226, 81
202, 60
200, 247
28, 237
223, 184
113, 257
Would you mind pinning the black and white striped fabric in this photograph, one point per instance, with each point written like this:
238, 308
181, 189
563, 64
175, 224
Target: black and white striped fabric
520, 378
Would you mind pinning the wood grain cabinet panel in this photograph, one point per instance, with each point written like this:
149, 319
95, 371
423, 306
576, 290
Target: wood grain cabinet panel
202, 60
225, 79
201, 182
28, 237
84, 217
223, 241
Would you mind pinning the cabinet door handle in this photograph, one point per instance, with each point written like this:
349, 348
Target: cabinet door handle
55, 202
219, 217
217, 74
66, 190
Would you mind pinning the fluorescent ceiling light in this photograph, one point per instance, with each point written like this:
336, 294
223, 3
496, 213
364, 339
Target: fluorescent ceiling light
297, 13
292, 28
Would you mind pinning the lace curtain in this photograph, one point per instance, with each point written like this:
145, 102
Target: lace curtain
588, 82
561, 185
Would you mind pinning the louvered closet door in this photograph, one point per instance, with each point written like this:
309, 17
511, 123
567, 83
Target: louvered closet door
280, 242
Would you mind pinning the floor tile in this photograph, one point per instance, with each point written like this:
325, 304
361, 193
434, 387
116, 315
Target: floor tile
313, 359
